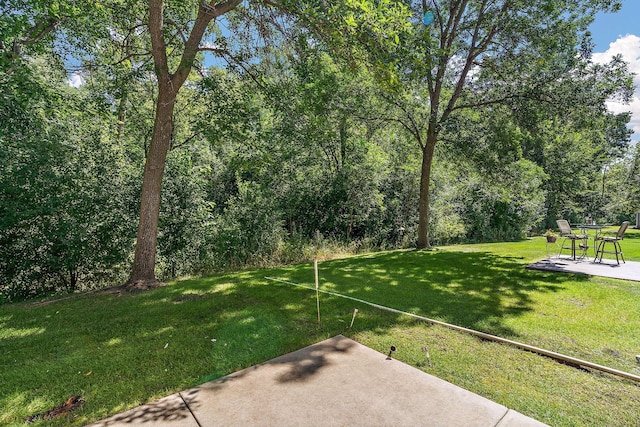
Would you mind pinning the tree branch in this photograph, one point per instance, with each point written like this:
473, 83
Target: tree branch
158, 46
40, 31
484, 103
130, 56
206, 13
533, 94
474, 51
179, 30
447, 37
216, 10
231, 59
186, 141
411, 126
35, 34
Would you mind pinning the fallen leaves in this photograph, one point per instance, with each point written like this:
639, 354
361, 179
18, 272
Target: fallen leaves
72, 403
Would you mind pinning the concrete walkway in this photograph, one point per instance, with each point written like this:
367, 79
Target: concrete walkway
608, 268
337, 382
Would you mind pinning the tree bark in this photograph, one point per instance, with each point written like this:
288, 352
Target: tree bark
425, 181
144, 262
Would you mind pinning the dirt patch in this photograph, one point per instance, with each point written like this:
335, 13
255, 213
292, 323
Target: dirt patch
576, 302
72, 403
612, 352
127, 288
187, 298
135, 287
51, 301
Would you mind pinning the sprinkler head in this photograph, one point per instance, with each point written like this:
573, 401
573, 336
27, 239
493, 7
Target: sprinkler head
391, 350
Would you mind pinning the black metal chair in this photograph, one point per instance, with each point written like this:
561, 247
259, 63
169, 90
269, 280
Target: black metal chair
601, 241
568, 235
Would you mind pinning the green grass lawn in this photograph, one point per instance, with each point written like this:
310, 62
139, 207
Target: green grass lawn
119, 351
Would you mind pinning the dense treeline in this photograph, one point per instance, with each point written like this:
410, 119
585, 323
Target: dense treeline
279, 156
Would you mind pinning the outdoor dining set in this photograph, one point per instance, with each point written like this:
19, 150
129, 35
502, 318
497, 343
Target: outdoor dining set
578, 243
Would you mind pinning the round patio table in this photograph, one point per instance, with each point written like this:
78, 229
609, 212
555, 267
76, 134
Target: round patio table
585, 228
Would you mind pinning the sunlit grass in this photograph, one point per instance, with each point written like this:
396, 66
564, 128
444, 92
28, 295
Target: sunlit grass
121, 351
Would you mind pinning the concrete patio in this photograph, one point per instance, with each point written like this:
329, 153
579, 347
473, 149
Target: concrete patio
337, 382
608, 268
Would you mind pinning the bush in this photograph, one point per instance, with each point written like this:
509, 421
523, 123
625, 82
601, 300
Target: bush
250, 231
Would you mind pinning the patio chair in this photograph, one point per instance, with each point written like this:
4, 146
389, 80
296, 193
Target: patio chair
601, 241
567, 235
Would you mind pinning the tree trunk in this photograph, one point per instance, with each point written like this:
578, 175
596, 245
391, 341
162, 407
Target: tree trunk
143, 270
425, 180
73, 279
144, 261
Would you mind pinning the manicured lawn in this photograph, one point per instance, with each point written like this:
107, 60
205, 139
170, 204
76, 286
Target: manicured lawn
118, 351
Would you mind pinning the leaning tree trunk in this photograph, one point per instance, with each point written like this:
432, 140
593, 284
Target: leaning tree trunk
143, 270
425, 181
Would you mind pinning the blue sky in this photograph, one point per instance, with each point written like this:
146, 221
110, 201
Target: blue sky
619, 33
608, 27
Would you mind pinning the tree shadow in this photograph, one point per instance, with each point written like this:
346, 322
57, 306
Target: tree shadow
300, 364
632, 235
477, 290
221, 324
169, 410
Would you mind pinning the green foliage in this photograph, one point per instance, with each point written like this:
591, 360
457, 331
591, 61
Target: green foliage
495, 202
481, 55
307, 150
505, 209
250, 230
65, 221
618, 191
186, 219
376, 25
36, 27
307, 142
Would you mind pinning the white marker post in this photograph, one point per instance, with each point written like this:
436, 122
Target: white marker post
315, 267
355, 311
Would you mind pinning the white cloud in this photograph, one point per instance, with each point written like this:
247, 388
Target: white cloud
76, 80
634, 107
628, 47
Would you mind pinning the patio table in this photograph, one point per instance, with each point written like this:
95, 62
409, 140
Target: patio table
584, 229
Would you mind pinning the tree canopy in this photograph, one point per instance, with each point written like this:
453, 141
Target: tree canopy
263, 131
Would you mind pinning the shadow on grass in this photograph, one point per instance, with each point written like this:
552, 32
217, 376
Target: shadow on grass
125, 350
632, 235
121, 351
477, 290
